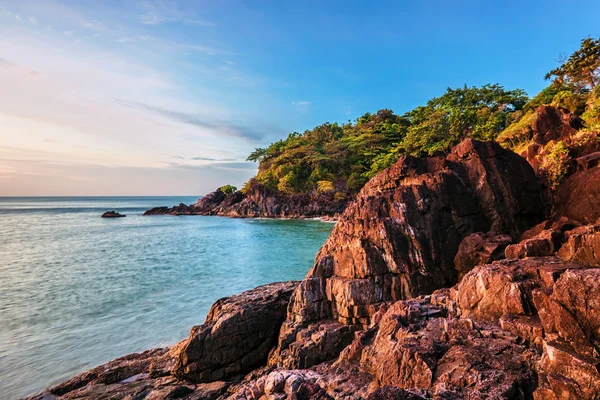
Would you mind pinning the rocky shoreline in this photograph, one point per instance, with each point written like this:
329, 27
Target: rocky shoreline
449, 277
260, 202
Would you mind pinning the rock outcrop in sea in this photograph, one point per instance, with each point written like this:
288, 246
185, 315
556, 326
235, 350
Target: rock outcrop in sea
262, 202
446, 278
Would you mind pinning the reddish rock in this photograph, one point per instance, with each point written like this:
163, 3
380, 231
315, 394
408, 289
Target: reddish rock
571, 309
582, 246
479, 248
546, 243
577, 197
505, 287
554, 123
238, 333
567, 374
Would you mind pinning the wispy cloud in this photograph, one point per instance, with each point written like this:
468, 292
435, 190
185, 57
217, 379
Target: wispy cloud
158, 12
302, 103
33, 20
213, 159
69, 33
224, 127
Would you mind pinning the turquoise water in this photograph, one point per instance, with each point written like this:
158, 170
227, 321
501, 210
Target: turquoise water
77, 290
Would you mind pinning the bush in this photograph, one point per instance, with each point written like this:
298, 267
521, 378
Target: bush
228, 189
556, 163
325, 186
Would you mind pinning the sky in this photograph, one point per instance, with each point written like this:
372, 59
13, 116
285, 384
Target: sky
167, 97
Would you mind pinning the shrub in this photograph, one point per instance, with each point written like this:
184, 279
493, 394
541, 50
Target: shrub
556, 163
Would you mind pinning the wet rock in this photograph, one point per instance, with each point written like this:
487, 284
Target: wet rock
237, 336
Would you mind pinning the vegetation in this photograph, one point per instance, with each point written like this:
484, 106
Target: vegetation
228, 189
341, 158
334, 157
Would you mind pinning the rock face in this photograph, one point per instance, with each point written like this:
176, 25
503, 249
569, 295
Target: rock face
112, 214
237, 336
479, 248
577, 198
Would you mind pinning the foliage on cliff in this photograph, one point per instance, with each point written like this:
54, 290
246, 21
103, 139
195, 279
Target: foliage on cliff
343, 157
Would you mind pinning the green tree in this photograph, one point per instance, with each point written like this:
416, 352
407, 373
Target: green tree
582, 68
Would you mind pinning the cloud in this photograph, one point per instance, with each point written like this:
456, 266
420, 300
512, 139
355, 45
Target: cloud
18, 17
33, 20
68, 33
302, 103
223, 127
127, 39
158, 12
212, 159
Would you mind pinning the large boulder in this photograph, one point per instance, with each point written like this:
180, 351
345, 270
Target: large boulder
479, 248
577, 197
237, 336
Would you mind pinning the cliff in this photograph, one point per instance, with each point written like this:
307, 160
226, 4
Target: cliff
450, 277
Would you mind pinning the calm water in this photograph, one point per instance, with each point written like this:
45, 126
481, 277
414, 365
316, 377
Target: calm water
77, 290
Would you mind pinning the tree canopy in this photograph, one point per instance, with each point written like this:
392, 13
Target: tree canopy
344, 157
582, 68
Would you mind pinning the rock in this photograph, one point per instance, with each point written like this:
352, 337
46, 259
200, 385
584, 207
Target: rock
181, 209
237, 336
132, 369
554, 123
582, 246
393, 393
112, 214
505, 287
567, 374
479, 248
313, 345
577, 197
414, 347
260, 201
545, 243
571, 309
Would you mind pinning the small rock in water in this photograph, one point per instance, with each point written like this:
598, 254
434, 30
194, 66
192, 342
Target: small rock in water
112, 214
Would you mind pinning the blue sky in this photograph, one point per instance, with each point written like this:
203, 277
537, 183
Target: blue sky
161, 97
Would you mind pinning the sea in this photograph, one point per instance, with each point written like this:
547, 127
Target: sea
77, 290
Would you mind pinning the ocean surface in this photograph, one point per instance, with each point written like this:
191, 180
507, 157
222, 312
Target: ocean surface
77, 290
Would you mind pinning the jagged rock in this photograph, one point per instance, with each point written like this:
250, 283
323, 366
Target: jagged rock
567, 374
112, 214
577, 197
479, 248
148, 364
546, 243
505, 287
181, 209
399, 238
571, 309
207, 203
582, 246
313, 345
238, 333
393, 393
414, 347
553, 123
